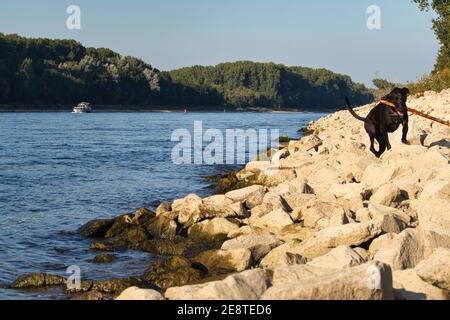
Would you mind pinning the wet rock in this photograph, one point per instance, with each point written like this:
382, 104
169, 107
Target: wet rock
114, 285
168, 247
225, 261
38, 280
89, 296
108, 246
134, 236
135, 293
216, 229
96, 228
161, 227
175, 271
104, 258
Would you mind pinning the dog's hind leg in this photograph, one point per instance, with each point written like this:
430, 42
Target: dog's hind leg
405, 129
382, 146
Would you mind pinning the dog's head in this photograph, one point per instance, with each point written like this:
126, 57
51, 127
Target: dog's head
398, 97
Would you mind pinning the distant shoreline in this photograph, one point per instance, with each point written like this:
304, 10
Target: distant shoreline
134, 109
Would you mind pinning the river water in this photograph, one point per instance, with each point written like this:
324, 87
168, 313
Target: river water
60, 170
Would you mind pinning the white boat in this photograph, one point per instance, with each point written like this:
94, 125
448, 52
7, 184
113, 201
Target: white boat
83, 107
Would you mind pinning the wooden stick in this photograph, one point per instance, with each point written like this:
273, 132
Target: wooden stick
419, 113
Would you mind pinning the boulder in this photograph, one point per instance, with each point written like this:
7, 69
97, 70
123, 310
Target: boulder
248, 285
284, 255
175, 271
403, 251
225, 261
372, 281
387, 195
272, 222
216, 229
241, 195
393, 220
188, 209
135, 293
96, 228
259, 244
114, 285
162, 227
37, 280
408, 286
219, 206
298, 272
352, 234
435, 270
305, 144
295, 232
339, 258
439, 189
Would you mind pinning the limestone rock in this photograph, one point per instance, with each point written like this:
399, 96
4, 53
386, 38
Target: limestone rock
386, 195
248, 285
188, 209
258, 243
352, 234
284, 255
135, 293
436, 269
408, 286
236, 260
403, 251
212, 230
372, 281
339, 258
273, 221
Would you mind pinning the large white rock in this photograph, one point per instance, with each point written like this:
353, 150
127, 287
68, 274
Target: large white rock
408, 286
220, 206
402, 252
386, 195
273, 221
340, 258
372, 281
188, 209
439, 189
352, 234
259, 244
436, 269
282, 256
135, 293
253, 194
248, 285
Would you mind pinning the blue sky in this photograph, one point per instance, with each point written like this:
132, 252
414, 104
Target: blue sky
174, 33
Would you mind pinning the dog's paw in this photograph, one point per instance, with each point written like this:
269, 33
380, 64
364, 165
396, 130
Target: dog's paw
406, 142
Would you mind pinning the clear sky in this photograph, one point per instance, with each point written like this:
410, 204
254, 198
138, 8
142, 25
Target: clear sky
170, 34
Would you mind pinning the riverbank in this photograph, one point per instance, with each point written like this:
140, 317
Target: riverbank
324, 219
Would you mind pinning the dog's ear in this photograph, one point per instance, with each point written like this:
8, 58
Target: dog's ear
405, 91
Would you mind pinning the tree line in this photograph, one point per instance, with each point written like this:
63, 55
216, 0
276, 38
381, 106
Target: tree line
38, 72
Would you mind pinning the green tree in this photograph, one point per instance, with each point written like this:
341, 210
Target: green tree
441, 27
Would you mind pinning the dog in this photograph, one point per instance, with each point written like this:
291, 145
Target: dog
385, 118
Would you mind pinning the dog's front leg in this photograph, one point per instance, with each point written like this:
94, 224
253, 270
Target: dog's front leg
405, 124
386, 140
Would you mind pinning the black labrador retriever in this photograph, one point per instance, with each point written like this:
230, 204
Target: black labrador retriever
385, 118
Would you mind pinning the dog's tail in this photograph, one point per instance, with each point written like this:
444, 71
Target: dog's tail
349, 107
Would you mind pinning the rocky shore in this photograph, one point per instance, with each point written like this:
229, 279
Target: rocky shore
324, 219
